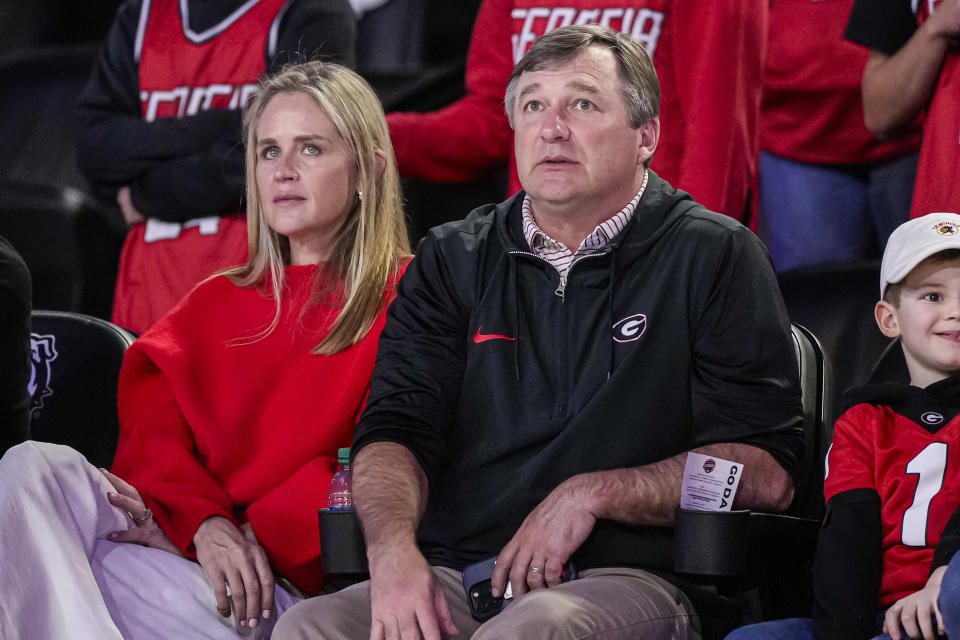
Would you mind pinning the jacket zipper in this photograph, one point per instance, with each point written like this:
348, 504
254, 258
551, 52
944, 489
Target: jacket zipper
561, 289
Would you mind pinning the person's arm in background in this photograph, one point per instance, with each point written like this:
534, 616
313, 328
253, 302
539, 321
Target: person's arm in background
718, 88
905, 60
188, 167
115, 144
471, 136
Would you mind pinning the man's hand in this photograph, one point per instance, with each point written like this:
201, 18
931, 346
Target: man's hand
130, 213
406, 601
233, 557
545, 540
147, 532
915, 611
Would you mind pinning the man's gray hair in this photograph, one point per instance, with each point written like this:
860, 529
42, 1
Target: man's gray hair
638, 78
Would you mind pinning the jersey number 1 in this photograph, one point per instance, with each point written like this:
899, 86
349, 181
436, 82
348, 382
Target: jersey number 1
929, 466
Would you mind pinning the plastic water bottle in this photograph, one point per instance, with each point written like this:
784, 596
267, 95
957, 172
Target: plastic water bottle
340, 497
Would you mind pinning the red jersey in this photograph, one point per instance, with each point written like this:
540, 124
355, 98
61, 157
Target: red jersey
812, 109
709, 58
182, 72
914, 466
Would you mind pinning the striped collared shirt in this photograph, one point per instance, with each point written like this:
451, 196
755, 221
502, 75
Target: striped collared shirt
561, 257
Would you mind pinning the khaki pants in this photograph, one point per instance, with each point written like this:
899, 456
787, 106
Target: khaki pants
610, 603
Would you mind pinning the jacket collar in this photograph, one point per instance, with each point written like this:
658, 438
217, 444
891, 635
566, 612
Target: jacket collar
660, 207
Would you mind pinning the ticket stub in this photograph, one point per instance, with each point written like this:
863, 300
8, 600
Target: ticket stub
709, 483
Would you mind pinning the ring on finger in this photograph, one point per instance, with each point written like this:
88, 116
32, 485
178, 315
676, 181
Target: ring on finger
535, 570
141, 519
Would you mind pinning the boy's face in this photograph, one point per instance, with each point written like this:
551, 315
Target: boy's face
927, 321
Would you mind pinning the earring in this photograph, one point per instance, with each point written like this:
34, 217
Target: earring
360, 195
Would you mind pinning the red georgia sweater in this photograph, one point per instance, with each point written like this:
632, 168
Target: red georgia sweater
216, 423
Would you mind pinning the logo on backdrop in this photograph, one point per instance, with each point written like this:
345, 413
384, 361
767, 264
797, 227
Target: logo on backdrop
43, 351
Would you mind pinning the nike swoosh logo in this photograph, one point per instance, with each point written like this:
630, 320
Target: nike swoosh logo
483, 337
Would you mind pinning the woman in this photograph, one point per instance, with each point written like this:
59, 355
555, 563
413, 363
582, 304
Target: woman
232, 407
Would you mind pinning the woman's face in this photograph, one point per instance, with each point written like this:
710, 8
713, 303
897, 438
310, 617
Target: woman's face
305, 174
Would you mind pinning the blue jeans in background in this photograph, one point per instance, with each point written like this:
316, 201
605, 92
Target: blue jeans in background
816, 214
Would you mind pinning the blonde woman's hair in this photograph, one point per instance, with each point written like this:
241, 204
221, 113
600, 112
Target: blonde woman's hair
373, 239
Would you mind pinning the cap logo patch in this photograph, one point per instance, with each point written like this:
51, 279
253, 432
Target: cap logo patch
932, 417
946, 229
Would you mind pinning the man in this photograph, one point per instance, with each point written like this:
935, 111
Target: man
912, 74
534, 403
710, 62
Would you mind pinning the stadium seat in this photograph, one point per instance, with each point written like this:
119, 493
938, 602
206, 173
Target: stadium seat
70, 243
75, 362
744, 566
38, 121
836, 303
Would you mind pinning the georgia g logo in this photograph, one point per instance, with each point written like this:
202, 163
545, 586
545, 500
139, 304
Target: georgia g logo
630, 328
43, 351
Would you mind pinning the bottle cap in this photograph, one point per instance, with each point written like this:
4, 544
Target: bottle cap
343, 453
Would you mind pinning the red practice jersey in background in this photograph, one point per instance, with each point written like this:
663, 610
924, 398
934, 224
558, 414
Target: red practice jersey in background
182, 72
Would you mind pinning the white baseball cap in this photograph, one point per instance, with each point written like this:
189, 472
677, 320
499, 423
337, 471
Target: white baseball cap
916, 240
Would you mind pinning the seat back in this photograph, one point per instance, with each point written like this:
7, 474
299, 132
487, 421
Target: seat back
71, 245
38, 114
75, 362
836, 304
816, 389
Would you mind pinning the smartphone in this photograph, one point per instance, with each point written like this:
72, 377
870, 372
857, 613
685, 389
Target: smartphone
477, 586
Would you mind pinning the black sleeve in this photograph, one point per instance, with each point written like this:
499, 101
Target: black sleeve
883, 25
221, 164
115, 145
15, 305
420, 363
949, 542
745, 385
847, 567
316, 29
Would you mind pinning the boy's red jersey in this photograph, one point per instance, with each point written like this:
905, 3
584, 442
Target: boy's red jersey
913, 463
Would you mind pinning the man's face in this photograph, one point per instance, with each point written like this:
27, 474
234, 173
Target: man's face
927, 321
573, 139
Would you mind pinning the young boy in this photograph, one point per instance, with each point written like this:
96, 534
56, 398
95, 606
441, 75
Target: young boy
892, 473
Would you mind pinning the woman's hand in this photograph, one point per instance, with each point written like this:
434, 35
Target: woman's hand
916, 611
147, 532
233, 557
